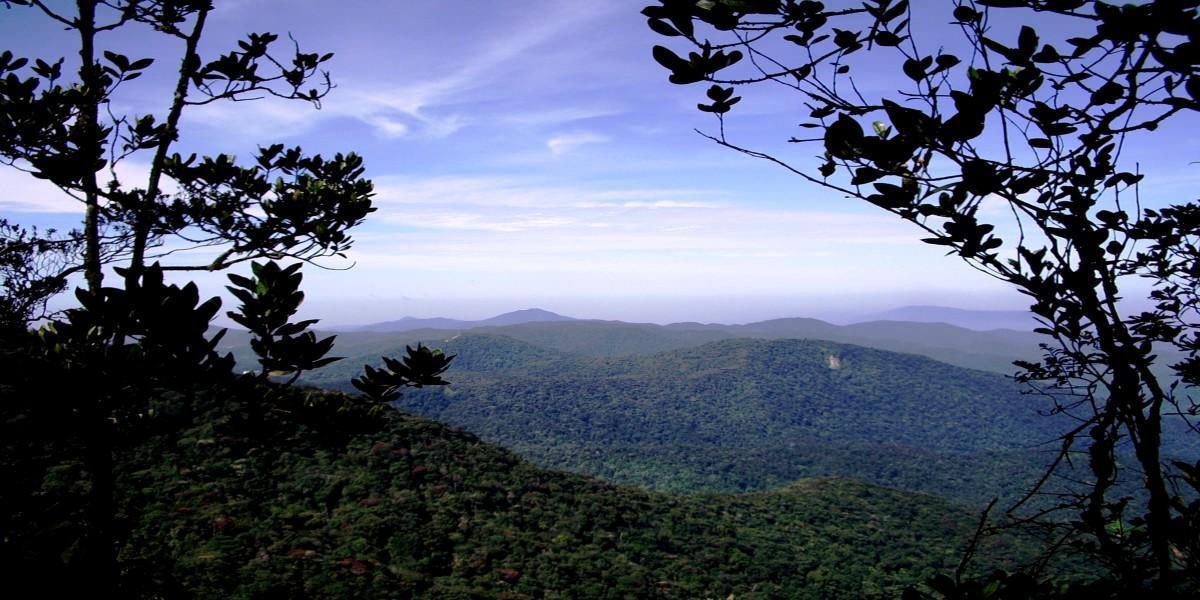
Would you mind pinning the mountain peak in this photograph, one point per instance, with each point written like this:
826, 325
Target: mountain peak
528, 315
516, 317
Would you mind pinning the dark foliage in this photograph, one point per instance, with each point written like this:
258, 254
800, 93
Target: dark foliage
1037, 120
60, 127
126, 363
32, 270
419, 368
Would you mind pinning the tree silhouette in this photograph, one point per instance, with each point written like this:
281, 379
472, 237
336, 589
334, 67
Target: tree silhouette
32, 264
111, 366
285, 204
1038, 124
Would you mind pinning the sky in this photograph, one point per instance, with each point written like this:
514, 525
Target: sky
533, 154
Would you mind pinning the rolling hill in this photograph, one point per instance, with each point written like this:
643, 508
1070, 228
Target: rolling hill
742, 414
260, 492
705, 407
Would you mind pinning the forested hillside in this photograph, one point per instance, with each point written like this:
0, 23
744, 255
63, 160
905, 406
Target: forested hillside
258, 492
739, 415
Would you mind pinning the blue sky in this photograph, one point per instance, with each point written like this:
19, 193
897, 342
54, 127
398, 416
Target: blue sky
533, 154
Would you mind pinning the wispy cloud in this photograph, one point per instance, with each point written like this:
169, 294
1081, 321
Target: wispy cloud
460, 221
438, 102
560, 115
565, 142
667, 204
508, 193
257, 120
522, 221
597, 249
22, 192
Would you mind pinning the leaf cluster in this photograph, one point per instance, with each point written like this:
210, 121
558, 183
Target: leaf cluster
1037, 124
419, 367
269, 299
61, 127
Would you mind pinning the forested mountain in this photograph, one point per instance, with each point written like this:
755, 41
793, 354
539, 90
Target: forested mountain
741, 414
738, 415
993, 351
271, 493
990, 350
734, 392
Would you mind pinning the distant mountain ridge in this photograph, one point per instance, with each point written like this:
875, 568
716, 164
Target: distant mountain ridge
516, 317
978, 320
956, 336
986, 350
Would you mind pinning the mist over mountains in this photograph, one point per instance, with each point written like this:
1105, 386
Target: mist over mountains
992, 350
979, 320
529, 315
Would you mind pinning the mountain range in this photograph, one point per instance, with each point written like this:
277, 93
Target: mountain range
857, 471
690, 407
980, 320
993, 350
529, 315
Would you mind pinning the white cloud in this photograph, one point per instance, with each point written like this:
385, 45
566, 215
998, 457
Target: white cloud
494, 192
489, 237
401, 112
387, 126
565, 142
22, 192
487, 210
255, 120
428, 101
559, 115
668, 204
466, 221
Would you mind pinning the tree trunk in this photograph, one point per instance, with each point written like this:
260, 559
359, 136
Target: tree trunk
1148, 452
89, 116
143, 222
